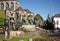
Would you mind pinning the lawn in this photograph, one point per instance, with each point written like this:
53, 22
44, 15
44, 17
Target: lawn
25, 38
2, 17
1, 39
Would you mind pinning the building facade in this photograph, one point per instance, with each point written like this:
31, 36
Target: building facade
56, 20
6, 4
14, 13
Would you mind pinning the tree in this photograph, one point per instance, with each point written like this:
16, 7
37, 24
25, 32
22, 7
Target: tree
48, 23
37, 20
38, 17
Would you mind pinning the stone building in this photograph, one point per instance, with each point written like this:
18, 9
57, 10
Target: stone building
6, 4
14, 13
24, 12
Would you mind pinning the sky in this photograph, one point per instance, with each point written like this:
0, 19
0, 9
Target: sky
41, 6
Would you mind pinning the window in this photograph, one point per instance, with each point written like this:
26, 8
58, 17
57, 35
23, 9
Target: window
16, 15
57, 22
16, 6
11, 14
2, 6
11, 18
16, 3
7, 6
12, 6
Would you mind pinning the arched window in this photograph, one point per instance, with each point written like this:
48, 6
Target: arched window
12, 5
2, 6
7, 6
16, 6
16, 15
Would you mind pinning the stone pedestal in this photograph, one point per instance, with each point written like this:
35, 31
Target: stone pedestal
28, 27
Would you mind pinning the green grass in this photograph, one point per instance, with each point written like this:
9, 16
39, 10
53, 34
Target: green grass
1, 39
25, 38
2, 17
2, 23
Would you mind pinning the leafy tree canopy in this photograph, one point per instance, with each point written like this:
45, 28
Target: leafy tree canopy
38, 17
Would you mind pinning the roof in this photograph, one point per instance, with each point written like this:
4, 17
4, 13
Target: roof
27, 10
18, 9
57, 15
8, 0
